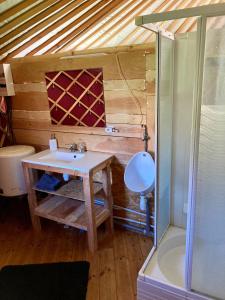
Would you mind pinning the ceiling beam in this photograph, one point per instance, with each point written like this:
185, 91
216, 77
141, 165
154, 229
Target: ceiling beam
41, 27
79, 53
20, 22
15, 9
98, 17
23, 31
129, 18
77, 21
138, 8
101, 27
77, 9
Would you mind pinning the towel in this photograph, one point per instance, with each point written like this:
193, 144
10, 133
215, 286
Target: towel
48, 183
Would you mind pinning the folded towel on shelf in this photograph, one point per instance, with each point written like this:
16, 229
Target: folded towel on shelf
48, 183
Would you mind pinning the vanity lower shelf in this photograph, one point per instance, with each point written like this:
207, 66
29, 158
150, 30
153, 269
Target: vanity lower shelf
69, 211
72, 189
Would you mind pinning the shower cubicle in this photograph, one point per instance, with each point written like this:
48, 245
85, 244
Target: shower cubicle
188, 257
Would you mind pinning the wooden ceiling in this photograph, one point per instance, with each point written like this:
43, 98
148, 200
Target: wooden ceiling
34, 27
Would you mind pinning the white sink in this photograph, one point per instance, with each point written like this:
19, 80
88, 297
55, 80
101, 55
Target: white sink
62, 156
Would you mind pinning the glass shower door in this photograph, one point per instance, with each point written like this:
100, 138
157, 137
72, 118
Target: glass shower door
164, 133
208, 257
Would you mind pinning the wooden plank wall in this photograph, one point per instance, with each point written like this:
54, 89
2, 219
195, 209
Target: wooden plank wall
123, 99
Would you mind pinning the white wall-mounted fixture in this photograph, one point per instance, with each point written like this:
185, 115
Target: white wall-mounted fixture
139, 175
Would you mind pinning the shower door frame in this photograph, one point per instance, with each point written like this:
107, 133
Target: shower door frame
159, 34
195, 133
202, 13
170, 36
201, 42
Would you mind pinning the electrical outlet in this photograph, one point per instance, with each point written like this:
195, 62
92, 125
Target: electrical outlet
110, 129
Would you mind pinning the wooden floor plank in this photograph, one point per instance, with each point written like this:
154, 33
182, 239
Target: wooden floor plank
93, 292
107, 276
146, 244
123, 271
113, 268
135, 257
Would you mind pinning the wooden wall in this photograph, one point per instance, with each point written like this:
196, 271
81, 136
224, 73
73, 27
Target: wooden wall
31, 117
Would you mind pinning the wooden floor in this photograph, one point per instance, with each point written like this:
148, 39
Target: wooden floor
114, 267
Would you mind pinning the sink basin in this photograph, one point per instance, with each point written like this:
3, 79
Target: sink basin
62, 156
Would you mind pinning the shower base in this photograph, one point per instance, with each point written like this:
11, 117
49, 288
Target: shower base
162, 275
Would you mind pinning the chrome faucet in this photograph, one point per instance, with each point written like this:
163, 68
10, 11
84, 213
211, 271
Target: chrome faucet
81, 147
73, 147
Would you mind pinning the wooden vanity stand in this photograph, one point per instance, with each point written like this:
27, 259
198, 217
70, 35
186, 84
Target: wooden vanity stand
73, 204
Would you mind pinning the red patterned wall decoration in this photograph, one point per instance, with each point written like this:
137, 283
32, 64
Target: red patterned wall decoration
3, 123
76, 97
3, 131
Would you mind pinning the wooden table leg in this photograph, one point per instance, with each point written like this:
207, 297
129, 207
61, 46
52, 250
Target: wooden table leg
106, 180
32, 199
89, 206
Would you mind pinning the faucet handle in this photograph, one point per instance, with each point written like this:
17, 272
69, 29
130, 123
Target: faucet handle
81, 147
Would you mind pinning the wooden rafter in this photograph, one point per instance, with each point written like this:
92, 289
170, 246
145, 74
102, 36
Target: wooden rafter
78, 7
79, 20
101, 27
129, 17
27, 27
15, 9
17, 25
118, 15
98, 17
76, 30
48, 20
137, 8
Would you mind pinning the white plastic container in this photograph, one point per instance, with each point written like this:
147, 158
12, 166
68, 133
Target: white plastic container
53, 143
11, 171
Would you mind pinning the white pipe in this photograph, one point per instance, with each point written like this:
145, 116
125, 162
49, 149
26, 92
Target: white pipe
132, 227
117, 207
143, 202
131, 220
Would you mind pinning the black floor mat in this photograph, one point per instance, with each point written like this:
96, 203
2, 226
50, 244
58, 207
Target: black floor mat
51, 281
